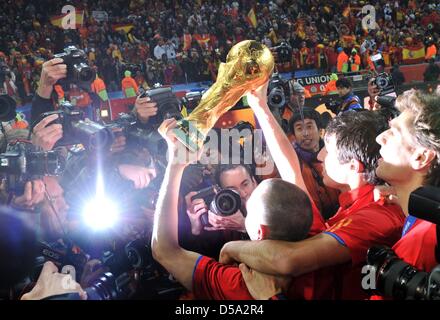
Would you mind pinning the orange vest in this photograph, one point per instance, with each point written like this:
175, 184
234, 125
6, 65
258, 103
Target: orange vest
98, 85
342, 58
431, 52
127, 84
330, 87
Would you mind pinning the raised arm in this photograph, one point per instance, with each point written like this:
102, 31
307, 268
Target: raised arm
282, 151
165, 244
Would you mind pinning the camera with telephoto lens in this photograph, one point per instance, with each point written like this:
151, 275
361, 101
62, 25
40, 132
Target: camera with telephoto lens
278, 92
396, 278
22, 163
92, 135
78, 70
133, 273
137, 134
168, 106
283, 52
222, 202
7, 108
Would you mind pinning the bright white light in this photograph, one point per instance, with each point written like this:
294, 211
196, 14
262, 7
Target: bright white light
100, 213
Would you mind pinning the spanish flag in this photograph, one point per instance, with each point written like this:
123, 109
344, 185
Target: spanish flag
252, 18
125, 27
413, 54
79, 19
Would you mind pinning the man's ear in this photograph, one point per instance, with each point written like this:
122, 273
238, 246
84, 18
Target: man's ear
357, 166
422, 158
263, 232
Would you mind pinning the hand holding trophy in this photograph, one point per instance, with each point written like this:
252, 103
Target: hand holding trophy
248, 65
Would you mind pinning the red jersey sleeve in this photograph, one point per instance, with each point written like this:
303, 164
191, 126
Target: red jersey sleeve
372, 225
215, 281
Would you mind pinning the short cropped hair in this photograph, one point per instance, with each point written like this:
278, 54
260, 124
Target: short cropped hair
287, 210
355, 134
426, 125
308, 113
344, 83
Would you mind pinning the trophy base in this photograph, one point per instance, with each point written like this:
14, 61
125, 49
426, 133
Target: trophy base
189, 135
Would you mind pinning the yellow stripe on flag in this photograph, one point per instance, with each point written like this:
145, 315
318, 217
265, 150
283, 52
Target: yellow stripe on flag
57, 20
413, 54
125, 27
252, 18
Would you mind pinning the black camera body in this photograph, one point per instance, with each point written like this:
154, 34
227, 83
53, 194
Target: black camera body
278, 92
78, 70
384, 83
333, 105
396, 278
284, 52
222, 202
192, 99
22, 162
168, 106
92, 135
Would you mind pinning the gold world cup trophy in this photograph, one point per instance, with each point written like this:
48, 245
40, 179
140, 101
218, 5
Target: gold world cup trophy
249, 64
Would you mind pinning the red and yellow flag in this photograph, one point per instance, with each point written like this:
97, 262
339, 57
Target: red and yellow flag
413, 54
252, 18
125, 27
79, 19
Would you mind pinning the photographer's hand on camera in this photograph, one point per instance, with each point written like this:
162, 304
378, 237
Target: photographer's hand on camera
45, 134
51, 283
141, 176
33, 195
232, 222
93, 269
52, 71
195, 209
145, 108
373, 92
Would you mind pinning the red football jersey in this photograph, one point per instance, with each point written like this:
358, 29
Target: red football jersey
215, 281
417, 246
360, 224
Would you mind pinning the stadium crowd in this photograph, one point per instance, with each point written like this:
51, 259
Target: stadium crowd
173, 42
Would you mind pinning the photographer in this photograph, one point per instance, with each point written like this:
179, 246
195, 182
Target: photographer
18, 251
350, 101
52, 71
